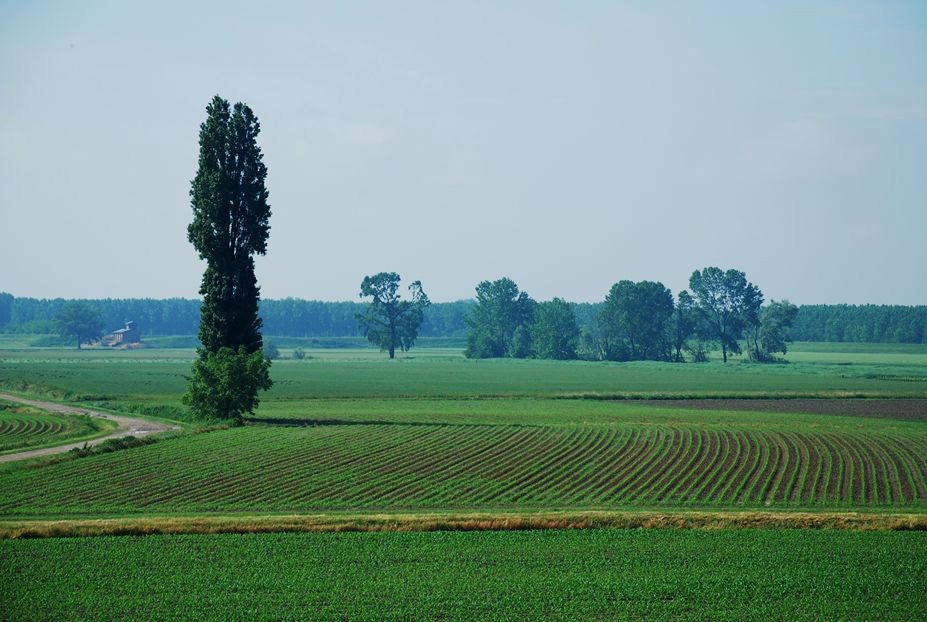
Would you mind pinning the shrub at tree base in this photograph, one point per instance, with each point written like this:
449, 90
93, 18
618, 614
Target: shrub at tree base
230, 225
225, 383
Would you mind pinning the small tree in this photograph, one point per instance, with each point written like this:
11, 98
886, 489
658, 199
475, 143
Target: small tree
554, 333
775, 321
635, 318
728, 304
227, 382
499, 312
389, 321
271, 351
79, 320
684, 324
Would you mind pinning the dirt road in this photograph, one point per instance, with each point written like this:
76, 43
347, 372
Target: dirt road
127, 426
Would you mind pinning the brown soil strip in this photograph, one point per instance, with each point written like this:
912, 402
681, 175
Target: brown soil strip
900, 409
461, 522
128, 426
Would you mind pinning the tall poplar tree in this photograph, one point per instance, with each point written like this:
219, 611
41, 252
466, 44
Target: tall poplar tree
230, 225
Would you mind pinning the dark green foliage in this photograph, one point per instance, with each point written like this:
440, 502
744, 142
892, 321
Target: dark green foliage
299, 354
861, 323
113, 444
225, 384
635, 321
522, 347
499, 311
775, 321
390, 322
554, 334
230, 225
728, 303
79, 320
684, 324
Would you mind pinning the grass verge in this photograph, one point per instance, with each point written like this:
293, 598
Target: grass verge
135, 526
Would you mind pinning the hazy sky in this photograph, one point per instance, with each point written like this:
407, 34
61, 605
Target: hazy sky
565, 145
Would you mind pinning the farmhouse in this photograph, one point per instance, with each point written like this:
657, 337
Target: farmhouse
129, 334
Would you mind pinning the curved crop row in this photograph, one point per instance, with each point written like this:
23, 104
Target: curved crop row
448, 466
20, 430
24, 426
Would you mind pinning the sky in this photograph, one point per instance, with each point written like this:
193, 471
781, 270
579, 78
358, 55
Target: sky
566, 146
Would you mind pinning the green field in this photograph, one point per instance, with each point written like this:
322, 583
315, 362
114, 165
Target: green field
429, 455
24, 427
157, 376
348, 430
550, 575
351, 438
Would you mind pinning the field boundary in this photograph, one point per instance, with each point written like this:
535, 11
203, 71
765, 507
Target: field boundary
135, 526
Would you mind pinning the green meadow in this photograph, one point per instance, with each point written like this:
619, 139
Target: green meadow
158, 375
515, 575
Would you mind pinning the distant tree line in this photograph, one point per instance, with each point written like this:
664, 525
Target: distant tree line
293, 317
289, 317
637, 321
861, 323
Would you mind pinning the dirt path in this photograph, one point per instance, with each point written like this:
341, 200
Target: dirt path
127, 426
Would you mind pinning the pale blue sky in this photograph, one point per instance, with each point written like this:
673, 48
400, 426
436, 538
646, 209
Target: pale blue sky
565, 145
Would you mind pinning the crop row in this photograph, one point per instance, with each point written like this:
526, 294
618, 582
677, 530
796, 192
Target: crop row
452, 466
19, 430
24, 426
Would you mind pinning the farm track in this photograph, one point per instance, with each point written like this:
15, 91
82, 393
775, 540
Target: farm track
383, 466
127, 426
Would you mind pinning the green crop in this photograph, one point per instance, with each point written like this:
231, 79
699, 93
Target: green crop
536, 575
24, 427
621, 456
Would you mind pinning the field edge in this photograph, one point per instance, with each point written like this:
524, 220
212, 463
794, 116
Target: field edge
475, 521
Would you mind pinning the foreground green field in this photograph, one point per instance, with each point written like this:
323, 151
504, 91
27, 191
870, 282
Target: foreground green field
550, 575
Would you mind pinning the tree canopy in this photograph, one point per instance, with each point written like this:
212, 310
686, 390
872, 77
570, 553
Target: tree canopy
500, 310
635, 321
81, 321
390, 322
554, 334
728, 304
231, 223
775, 321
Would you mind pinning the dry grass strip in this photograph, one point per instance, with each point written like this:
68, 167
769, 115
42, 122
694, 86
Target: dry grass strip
10, 529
